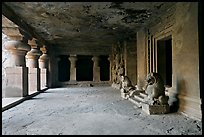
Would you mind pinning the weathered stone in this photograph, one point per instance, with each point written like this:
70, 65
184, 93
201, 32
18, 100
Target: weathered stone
155, 90
17, 82
73, 59
18, 50
43, 78
34, 80
43, 61
155, 109
32, 58
96, 68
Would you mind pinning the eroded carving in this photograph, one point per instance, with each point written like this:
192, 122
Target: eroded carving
155, 90
127, 89
118, 68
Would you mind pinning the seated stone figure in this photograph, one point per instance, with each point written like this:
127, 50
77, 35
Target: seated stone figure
126, 86
155, 90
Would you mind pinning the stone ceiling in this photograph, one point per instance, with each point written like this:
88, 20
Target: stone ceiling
73, 23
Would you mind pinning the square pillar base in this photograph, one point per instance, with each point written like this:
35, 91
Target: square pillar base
17, 82
33, 80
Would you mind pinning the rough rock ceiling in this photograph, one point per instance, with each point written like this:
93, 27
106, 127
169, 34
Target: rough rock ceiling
97, 23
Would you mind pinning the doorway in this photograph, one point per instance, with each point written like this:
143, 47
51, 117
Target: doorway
63, 68
84, 68
164, 60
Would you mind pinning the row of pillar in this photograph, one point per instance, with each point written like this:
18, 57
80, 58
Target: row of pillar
96, 68
28, 69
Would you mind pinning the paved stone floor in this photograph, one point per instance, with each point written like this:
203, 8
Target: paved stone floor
90, 111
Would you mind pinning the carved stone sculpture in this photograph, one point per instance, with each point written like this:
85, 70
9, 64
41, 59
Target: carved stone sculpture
155, 90
156, 100
127, 89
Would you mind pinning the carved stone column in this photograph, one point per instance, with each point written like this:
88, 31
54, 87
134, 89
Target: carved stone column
43, 65
43, 60
34, 70
110, 74
18, 50
96, 69
17, 73
73, 59
32, 58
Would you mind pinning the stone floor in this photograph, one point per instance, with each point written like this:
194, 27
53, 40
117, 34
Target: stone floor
90, 111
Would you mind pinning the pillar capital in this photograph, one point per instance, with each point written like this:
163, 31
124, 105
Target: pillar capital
18, 50
73, 58
33, 56
44, 49
43, 61
96, 60
34, 53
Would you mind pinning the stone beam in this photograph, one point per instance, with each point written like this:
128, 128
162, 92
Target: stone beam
8, 12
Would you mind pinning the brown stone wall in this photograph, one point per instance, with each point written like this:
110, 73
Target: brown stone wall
131, 61
186, 58
181, 22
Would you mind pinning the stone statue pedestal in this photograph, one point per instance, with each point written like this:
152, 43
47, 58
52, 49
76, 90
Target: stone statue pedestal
155, 109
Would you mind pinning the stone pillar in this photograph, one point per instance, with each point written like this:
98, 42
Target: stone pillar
34, 70
96, 69
17, 74
57, 83
43, 61
73, 59
43, 65
110, 72
32, 58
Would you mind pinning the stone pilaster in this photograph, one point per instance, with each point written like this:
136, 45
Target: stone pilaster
96, 69
73, 59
